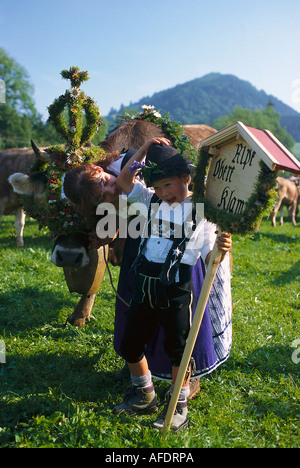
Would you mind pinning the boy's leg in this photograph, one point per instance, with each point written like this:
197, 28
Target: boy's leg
177, 326
186, 382
180, 418
140, 325
139, 369
140, 398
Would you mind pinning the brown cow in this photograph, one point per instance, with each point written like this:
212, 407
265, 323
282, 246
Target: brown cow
11, 161
289, 196
138, 131
130, 134
197, 133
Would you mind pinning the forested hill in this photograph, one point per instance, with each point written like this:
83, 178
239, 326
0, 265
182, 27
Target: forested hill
204, 99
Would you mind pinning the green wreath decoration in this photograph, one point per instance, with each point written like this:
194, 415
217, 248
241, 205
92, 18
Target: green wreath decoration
59, 215
259, 203
76, 101
170, 127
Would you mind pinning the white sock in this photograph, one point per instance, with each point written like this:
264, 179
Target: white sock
143, 381
184, 392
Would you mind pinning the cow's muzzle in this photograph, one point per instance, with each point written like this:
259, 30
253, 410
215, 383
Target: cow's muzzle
74, 258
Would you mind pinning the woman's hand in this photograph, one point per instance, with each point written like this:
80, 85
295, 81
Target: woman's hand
140, 154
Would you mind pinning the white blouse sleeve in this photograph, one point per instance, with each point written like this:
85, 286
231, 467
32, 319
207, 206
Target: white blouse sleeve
140, 194
203, 239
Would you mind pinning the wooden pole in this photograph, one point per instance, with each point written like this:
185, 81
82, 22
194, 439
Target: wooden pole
215, 259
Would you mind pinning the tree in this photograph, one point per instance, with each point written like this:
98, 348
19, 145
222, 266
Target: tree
262, 119
19, 119
19, 89
15, 129
17, 111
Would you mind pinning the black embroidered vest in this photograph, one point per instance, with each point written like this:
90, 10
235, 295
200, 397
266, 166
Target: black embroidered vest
167, 230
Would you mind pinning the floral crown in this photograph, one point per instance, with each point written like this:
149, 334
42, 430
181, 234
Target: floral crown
59, 215
171, 128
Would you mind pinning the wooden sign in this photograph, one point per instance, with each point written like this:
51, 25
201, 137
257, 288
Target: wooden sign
232, 176
241, 164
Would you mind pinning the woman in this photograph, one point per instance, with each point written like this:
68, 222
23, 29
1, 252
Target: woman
90, 184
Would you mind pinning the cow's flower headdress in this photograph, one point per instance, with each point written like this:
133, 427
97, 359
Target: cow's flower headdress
59, 215
171, 128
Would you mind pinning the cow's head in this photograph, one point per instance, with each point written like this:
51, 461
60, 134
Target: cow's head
71, 251
33, 185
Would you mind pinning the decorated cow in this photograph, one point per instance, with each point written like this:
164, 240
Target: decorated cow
11, 161
84, 267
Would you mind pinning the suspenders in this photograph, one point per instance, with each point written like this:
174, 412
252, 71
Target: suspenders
174, 257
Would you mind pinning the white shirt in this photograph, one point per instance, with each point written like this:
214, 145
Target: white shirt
157, 248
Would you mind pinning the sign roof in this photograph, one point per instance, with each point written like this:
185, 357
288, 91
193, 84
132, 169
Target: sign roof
274, 154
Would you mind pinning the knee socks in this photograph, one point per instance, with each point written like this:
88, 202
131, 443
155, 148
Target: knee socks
146, 380
184, 392
143, 381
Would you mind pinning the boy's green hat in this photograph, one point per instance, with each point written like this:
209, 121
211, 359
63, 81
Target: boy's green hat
164, 161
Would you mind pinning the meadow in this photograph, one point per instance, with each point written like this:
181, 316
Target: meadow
57, 386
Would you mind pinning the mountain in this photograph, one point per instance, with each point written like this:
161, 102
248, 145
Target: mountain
204, 99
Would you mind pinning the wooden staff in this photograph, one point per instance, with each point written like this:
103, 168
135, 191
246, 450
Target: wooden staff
215, 259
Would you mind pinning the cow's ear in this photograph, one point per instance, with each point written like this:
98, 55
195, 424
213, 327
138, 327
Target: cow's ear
21, 184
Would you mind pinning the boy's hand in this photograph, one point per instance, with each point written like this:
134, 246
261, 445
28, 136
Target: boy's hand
125, 179
224, 243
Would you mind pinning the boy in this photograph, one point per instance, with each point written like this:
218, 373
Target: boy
163, 289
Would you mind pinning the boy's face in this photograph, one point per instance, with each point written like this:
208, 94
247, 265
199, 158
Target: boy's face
172, 189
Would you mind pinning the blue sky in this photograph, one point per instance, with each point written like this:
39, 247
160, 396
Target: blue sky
133, 48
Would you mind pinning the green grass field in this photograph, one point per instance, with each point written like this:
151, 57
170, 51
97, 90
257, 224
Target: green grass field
57, 386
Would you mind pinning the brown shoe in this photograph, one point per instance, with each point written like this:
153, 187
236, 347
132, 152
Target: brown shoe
194, 388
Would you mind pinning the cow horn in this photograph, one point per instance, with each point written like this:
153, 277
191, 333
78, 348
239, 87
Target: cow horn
35, 149
43, 155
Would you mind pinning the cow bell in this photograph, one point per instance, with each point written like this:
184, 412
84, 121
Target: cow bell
87, 279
